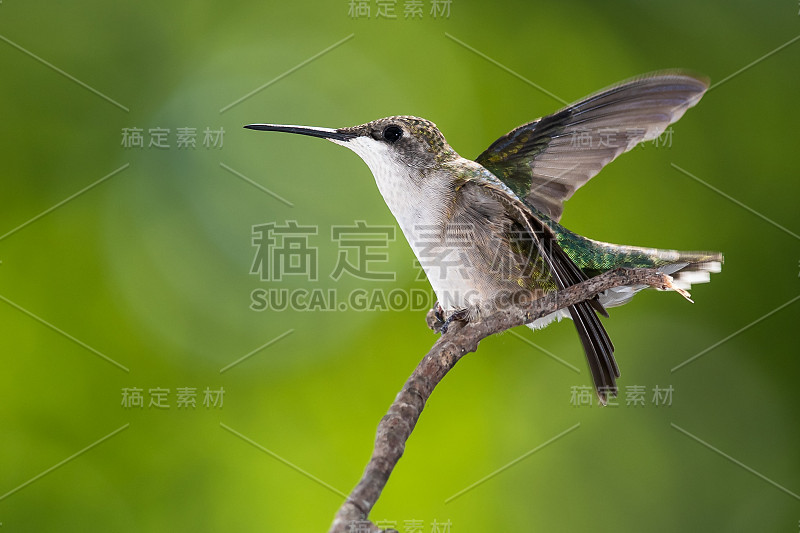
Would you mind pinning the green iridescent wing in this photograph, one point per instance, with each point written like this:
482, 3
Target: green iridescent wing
545, 161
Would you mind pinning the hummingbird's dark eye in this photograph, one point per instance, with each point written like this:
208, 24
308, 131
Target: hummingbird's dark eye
392, 133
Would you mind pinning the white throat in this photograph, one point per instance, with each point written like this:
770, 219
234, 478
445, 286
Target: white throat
416, 200
396, 182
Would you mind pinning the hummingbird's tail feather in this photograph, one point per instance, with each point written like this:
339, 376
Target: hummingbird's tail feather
694, 267
686, 269
596, 344
576, 258
598, 348
595, 340
595, 257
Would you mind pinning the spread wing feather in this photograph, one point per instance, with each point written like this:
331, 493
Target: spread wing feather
545, 161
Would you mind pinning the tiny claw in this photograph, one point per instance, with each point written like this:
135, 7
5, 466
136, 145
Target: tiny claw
438, 312
680, 291
435, 318
456, 315
685, 294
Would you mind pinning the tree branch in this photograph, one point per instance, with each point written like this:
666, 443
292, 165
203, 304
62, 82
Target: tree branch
461, 338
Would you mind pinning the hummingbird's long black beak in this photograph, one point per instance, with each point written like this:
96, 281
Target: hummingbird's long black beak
325, 133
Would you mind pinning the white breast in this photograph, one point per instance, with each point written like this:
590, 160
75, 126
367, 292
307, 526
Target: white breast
410, 196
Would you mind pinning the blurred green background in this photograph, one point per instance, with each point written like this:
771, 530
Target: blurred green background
150, 268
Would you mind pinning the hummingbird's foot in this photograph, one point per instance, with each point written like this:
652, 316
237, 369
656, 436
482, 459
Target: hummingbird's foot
461, 314
435, 318
438, 312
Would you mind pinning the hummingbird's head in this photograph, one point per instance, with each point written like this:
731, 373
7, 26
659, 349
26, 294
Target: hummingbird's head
404, 141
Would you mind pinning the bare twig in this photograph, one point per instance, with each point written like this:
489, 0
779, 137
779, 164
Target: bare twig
396, 426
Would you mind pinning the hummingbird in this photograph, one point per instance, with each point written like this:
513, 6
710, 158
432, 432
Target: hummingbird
486, 231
